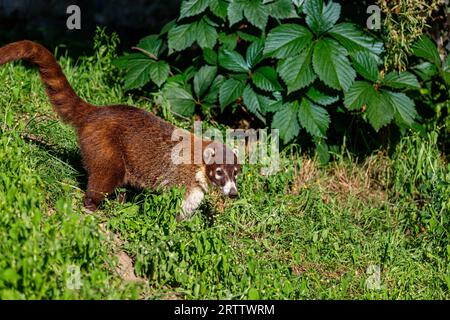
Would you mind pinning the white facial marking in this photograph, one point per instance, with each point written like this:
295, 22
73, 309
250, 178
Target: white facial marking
230, 185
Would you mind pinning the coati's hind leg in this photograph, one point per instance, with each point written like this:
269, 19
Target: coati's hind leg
105, 168
101, 183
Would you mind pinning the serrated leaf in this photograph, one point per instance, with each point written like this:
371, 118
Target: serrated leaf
181, 101
233, 61
210, 56
230, 90
182, 36
366, 65
297, 72
265, 78
282, 9
254, 53
285, 120
151, 44
254, 102
313, 118
354, 39
206, 35
357, 96
256, 13
287, 40
426, 48
138, 72
379, 110
219, 8
320, 97
235, 12
377, 107
405, 111
319, 17
159, 71
203, 79
401, 80
331, 64
191, 8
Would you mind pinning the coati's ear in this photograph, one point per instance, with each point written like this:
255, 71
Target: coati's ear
208, 155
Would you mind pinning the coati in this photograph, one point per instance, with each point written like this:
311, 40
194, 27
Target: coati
124, 145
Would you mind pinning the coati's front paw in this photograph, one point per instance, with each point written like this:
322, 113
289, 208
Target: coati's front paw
191, 202
89, 204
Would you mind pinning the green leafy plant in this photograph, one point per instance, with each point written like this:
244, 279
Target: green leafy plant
291, 64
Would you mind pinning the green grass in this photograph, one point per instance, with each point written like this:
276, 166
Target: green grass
308, 232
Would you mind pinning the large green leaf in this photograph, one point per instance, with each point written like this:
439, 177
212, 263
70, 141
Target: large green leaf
219, 8
282, 9
297, 72
152, 44
181, 101
426, 48
206, 35
233, 61
313, 118
356, 97
332, 65
354, 39
401, 80
287, 40
159, 71
376, 105
230, 90
182, 36
285, 120
254, 102
193, 7
319, 17
254, 53
138, 70
379, 110
265, 78
405, 111
320, 97
235, 12
203, 79
366, 65
254, 11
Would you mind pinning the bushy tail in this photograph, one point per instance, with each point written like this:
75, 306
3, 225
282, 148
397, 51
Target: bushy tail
71, 108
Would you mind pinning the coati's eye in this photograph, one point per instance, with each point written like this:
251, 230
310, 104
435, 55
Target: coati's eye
219, 173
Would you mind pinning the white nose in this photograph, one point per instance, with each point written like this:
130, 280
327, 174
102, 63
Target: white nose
229, 189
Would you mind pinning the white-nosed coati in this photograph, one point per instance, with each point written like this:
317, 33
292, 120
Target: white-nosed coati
125, 145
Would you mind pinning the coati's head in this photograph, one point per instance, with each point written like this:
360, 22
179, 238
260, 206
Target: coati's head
222, 167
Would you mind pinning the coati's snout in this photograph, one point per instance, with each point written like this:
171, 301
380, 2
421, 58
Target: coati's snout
222, 168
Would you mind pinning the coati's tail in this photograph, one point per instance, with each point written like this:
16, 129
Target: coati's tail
71, 108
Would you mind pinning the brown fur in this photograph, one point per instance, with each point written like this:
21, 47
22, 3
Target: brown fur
119, 144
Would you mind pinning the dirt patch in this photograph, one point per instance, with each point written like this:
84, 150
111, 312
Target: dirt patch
124, 267
366, 181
